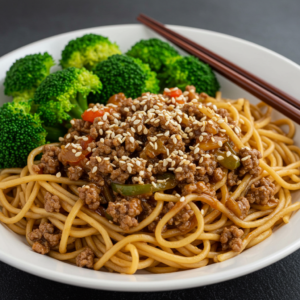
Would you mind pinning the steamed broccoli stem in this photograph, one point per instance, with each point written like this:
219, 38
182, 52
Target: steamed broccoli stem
76, 111
82, 101
53, 133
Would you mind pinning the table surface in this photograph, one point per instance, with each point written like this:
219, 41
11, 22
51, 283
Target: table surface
271, 23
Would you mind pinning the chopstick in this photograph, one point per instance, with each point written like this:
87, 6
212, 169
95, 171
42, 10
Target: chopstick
274, 97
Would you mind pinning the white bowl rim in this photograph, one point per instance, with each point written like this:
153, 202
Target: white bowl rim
162, 285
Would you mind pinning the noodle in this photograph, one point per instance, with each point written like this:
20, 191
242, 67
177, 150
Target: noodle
166, 249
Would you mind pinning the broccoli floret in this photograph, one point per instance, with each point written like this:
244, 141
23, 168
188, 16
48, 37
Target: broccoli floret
190, 71
87, 51
123, 74
63, 95
26, 74
20, 133
154, 52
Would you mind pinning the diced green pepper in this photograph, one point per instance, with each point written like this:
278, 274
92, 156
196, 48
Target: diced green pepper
228, 162
141, 189
108, 216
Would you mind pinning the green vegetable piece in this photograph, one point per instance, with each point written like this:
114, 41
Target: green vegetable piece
228, 162
20, 133
26, 74
87, 51
139, 189
123, 74
63, 95
108, 216
190, 71
154, 52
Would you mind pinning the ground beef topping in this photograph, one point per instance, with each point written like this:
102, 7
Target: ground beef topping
49, 162
124, 212
136, 141
45, 237
52, 203
91, 195
85, 258
231, 239
261, 192
244, 206
250, 162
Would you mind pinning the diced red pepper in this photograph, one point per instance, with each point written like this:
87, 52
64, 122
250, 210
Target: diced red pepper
174, 92
84, 144
90, 115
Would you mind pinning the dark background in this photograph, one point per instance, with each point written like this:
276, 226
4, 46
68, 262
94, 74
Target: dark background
274, 24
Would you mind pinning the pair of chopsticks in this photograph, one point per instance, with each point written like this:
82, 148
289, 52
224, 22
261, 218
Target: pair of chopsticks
264, 91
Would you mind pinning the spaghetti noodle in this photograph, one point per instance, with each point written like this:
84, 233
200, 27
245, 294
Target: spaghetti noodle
162, 183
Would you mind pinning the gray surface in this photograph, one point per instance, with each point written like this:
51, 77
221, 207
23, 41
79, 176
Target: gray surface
271, 23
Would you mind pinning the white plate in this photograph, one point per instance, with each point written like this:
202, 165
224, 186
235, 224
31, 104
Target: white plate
266, 64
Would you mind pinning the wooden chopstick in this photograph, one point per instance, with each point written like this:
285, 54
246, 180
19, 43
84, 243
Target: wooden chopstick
258, 90
293, 101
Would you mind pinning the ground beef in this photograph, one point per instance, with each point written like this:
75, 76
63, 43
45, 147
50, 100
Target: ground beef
182, 220
124, 212
232, 178
251, 164
261, 192
49, 162
205, 169
218, 175
41, 247
52, 203
70, 137
74, 173
45, 237
81, 126
85, 258
244, 206
91, 195
192, 109
199, 187
231, 239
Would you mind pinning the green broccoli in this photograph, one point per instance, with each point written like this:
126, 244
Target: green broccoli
190, 71
87, 51
20, 133
63, 95
123, 74
26, 74
154, 52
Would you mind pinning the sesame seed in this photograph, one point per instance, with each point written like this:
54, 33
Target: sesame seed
219, 157
58, 174
106, 158
68, 136
201, 160
145, 131
61, 139
136, 122
72, 122
95, 169
235, 157
246, 157
201, 138
228, 153
131, 139
179, 169
73, 150
98, 158
171, 169
155, 146
220, 143
133, 107
196, 150
212, 138
153, 183
105, 117
174, 140
220, 121
138, 163
182, 199
129, 169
